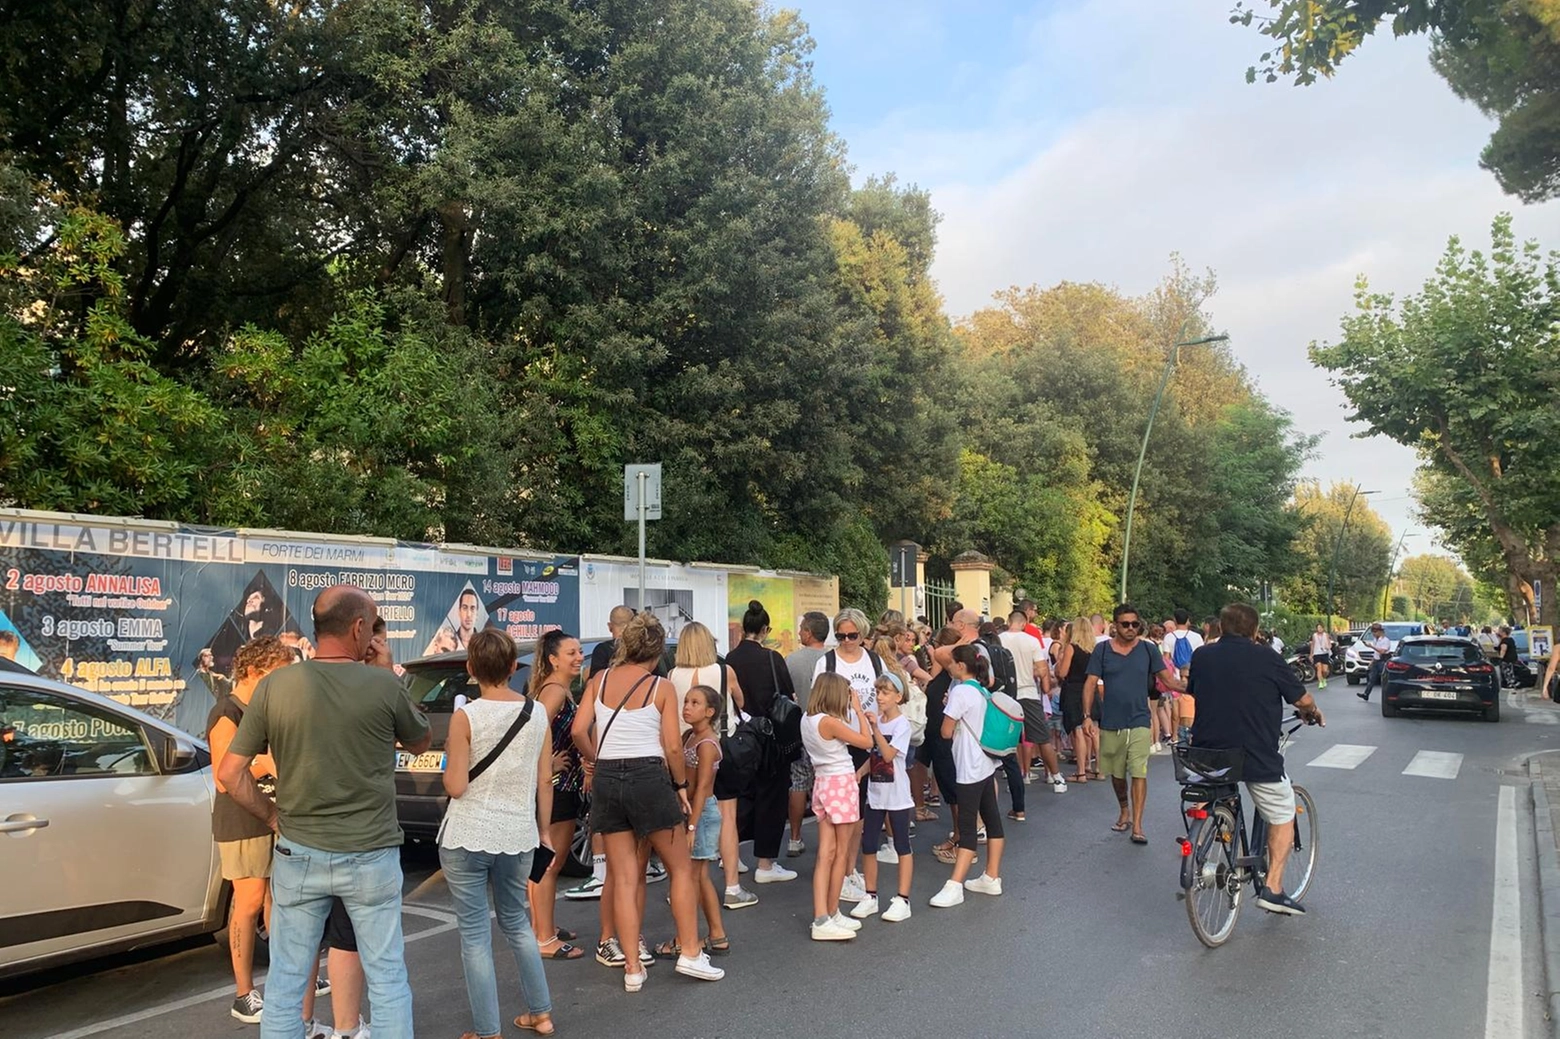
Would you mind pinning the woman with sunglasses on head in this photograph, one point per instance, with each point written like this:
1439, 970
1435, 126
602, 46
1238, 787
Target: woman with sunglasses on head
557, 663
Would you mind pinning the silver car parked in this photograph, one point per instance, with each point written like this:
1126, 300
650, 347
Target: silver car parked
105, 828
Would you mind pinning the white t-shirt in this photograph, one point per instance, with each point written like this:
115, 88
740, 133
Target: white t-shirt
968, 708
1278, 645
891, 797
1194, 641
1026, 650
860, 676
1320, 644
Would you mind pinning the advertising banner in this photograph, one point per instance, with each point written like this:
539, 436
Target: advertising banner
125, 607
775, 593
675, 592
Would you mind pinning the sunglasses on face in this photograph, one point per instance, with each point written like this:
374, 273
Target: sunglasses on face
847, 636
1129, 624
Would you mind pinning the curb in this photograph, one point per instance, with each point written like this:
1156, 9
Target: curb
1548, 893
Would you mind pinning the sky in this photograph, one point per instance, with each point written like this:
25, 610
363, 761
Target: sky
1088, 140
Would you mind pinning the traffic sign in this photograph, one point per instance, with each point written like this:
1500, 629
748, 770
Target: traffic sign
652, 486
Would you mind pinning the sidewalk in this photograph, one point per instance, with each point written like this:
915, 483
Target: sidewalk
1544, 772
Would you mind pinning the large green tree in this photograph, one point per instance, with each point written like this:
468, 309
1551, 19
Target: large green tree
1464, 371
1334, 521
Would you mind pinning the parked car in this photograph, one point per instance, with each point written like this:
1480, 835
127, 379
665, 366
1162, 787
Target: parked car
105, 828
435, 681
1440, 672
1360, 655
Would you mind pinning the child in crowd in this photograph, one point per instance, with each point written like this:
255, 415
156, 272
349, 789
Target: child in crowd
827, 736
888, 799
701, 749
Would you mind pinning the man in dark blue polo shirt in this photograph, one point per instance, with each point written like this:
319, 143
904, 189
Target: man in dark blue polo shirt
1241, 688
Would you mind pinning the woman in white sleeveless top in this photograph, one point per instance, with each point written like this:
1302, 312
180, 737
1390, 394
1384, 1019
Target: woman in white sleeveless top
626, 731
489, 834
697, 665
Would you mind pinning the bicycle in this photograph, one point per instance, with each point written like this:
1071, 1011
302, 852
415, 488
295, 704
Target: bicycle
1217, 861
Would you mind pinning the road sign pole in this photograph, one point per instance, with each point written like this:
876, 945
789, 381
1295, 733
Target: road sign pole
644, 478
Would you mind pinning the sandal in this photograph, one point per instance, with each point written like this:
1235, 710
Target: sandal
668, 950
1138, 838
1094, 774
566, 935
1121, 827
946, 854
473, 1035
925, 815
1077, 777
541, 1024
718, 946
564, 951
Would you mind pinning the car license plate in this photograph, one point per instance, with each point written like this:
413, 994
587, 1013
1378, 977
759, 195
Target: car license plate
1437, 694
429, 761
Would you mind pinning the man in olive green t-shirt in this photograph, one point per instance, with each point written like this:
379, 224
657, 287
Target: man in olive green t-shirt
332, 724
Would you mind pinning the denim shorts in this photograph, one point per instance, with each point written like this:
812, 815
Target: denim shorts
634, 794
706, 831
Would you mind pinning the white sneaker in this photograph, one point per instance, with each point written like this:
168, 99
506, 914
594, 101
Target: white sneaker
742, 867
846, 922
984, 885
699, 967
866, 907
887, 854
635, 982
829, 931
950, 895
854, 889
1155, 748
1058, 784
898, 909
795, 848
776, 874
980, 835
1029, 777
655, 872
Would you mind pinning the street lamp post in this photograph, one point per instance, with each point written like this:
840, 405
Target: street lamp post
1387, 591
1137, 474
1332, 571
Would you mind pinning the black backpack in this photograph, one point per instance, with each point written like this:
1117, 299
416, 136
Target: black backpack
749, 750
1004, 672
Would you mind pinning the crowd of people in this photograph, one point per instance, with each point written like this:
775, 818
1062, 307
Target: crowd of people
681, 754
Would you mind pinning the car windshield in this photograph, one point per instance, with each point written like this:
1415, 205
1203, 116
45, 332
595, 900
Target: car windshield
1398, 632
1440, 653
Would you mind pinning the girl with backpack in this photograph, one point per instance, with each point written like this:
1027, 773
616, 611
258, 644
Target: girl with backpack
963, 718
828, 734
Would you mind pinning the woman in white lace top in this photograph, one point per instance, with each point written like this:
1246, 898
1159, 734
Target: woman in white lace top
490, 835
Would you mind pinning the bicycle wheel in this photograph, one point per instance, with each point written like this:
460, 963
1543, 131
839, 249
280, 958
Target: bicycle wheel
1301, 868
1213, 901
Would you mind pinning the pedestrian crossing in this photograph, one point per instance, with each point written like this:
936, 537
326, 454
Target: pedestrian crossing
1427, 764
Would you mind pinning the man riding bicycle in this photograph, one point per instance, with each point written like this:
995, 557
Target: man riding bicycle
1241, 689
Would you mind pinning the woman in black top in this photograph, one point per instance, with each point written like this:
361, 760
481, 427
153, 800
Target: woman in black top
1073, 650
762, 674
939, 749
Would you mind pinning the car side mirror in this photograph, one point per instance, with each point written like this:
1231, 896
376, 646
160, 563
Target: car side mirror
178, 754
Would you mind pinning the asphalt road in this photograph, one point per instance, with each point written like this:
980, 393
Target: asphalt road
1090, 939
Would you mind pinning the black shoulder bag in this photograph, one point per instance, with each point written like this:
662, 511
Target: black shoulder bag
786, 717
508, 738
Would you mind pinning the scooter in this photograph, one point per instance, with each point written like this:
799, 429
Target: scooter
1304, 668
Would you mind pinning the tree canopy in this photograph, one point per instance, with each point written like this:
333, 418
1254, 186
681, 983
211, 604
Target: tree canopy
1464, 371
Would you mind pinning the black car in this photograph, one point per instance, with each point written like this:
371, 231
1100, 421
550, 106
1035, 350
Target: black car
1440, 672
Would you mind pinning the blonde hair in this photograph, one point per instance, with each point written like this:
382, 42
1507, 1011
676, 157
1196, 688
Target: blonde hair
642, 640
1083, 633
830, 695
695, 646
885, 648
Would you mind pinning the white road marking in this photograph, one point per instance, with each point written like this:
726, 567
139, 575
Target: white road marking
1504, 999
1434, 764
1541, 717
446, 923
1343, 755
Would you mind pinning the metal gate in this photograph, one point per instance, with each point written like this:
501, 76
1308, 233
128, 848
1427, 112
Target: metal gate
933, 599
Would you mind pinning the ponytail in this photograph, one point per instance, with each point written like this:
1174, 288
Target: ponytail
973, 662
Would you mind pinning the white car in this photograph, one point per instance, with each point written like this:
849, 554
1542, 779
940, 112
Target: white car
105, 828
1360, 655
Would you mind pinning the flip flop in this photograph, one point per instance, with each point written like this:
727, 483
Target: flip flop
1077, 777
1138, 838
1095, 775
541, 1024
1121, 827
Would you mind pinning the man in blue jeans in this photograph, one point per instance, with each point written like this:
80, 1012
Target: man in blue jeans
332, 724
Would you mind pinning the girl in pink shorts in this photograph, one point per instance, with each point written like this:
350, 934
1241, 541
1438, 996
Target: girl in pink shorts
833, 724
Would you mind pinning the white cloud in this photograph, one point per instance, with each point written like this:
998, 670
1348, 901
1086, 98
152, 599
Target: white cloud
1127, 132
